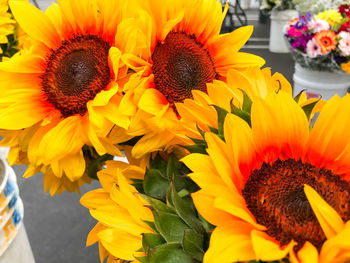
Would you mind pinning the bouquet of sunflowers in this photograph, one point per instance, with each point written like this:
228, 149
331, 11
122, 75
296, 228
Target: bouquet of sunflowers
322, 41
223, 164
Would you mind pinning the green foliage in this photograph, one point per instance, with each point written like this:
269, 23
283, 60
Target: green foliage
179, 235
10, 48
161, 173
94, 162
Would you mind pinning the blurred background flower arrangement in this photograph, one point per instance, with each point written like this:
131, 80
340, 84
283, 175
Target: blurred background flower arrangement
321, 41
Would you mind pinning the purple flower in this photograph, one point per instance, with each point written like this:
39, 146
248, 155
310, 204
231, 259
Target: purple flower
300, 43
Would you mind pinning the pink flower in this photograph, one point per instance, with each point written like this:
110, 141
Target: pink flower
344, 43
318, 25
296, 32
313, 49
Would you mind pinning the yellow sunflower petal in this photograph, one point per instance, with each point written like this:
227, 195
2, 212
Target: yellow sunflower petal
230, 243
330, 221
267, 249
307, 254
92, 237
63, 138
233, 41
119, 243
95, 199
204, 203
337, 249
40, 28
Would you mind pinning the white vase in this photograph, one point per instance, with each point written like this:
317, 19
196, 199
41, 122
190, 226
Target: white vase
320, 83
279, 19
14, 243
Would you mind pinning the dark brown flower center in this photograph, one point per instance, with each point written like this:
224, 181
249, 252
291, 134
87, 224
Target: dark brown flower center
75, 73
180, 65
275, 196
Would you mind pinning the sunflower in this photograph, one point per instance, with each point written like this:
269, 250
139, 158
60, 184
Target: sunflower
121, 212
276, 187
327, 40
66, 89
255, 82
183, 51
7, 24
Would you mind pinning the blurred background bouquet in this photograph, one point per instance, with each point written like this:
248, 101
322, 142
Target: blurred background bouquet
321, 41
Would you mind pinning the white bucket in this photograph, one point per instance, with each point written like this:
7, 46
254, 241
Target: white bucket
44, 4
279, 19
14, 243
320, 83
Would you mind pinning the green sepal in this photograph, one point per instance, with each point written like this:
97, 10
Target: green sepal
158, 163
154, 184
196, 148
159, 205
221, 118
201, 132
170, 226
173, 166
96, 165
138, 184
169, 253
184, 182
308, 108
247, 102
151, 225
185, 211
151, 240
213, 130
192, 243
245, 115
297, 97
197, 141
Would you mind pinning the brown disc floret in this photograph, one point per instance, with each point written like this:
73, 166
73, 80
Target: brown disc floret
275, 196
75, 72
180, 65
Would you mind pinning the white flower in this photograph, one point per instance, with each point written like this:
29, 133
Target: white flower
313, 49
318, 25
344, 43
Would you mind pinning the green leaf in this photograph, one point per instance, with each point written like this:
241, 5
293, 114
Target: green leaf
158, 163
154, 184
169, 253
138, 184
170, 226
308, 108
184, 182
172, 166
193, 244
185, 211
151, 240
159, 205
